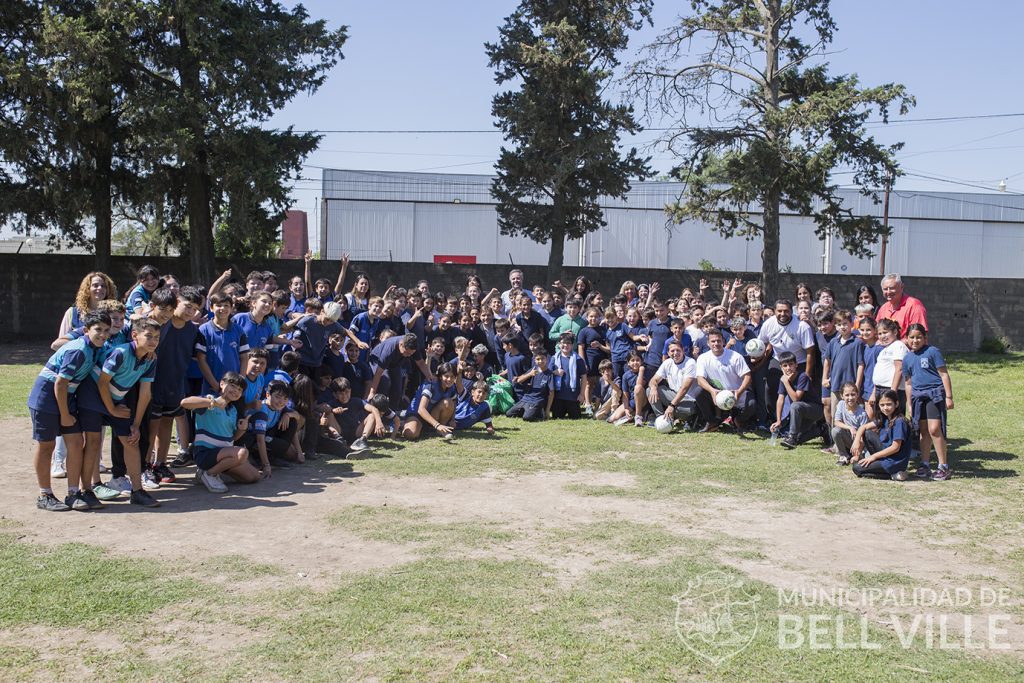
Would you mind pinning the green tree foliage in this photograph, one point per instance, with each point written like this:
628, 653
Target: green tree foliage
65, 97
156, 106
782, 122
563, 135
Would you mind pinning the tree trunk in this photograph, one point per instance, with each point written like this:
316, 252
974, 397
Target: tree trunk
101, 209
770, 253
197, 176
200, 225
102, 183
556, 257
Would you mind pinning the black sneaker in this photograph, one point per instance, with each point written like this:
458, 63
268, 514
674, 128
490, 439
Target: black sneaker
90, 498
281, 464
50, 503
142, 497
788, 441
184, 459
75, 501
164, 474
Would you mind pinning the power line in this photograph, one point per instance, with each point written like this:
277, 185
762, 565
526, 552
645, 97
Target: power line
473, 131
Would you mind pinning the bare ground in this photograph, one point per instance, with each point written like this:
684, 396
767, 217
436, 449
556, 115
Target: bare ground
283, 522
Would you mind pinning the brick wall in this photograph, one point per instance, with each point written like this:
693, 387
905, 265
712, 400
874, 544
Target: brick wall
36, 289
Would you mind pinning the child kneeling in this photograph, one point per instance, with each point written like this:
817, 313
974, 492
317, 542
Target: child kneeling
217, 427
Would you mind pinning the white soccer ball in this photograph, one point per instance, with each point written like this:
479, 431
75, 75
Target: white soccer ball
663, 424
725, 400
755, 348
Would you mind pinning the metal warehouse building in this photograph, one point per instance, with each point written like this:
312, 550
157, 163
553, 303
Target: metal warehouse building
435, 217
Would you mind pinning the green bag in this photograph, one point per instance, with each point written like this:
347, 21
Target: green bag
500, 398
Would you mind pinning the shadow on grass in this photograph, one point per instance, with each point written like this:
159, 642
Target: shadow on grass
971, 462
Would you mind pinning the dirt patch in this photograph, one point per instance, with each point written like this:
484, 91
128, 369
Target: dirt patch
284, 523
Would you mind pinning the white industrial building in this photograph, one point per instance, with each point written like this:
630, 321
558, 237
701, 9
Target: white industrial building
435, 217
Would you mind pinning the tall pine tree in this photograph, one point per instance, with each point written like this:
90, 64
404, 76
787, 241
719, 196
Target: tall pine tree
563, 136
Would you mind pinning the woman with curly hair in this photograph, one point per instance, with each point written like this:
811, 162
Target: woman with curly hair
94, 288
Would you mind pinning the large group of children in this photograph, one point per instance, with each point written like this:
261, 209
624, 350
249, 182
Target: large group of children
254, 377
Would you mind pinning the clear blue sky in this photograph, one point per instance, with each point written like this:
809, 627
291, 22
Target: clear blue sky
416, 65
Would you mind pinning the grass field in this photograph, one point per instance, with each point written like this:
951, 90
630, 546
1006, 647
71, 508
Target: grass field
550, 551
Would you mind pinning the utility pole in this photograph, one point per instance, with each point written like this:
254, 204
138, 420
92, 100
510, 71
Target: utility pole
885, 221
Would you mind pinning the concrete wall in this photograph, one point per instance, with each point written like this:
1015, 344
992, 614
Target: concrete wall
35, 290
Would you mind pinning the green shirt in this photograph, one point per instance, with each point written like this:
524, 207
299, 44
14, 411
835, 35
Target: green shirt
566, 324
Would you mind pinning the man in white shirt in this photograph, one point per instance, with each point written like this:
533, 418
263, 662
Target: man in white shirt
783, 333
719, 370
673, 387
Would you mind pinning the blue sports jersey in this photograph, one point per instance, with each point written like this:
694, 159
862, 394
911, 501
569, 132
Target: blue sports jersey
584, 338
136, 298
74, 362
468, 413
686, 342
254, 388
922, 368
537, 389
313, 335
258, 334
263, 419
223, 348
215, 427
125, 369
432, 393
619, 342
660, 332
366, 330
844, 359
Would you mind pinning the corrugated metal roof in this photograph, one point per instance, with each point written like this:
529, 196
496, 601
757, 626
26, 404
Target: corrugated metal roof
654, 195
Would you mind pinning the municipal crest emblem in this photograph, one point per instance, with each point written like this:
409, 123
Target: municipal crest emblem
716, 618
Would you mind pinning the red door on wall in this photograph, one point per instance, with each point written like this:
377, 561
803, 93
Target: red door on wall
454, 258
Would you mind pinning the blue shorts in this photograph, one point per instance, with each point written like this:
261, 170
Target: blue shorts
47, 426
205, 456
93, 421
157, 411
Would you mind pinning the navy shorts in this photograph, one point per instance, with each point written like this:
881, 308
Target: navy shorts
47, 426
93, 421
205, 456
157, 411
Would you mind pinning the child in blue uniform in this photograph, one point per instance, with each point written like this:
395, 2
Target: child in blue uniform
219, 422
434, 404
881, 449
54, 411
473, 407
110, 398
929, 394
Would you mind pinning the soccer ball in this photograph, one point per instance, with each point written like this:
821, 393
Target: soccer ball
755, 348
663, 424
725, 400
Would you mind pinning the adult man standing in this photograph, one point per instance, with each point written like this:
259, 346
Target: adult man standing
898, 306
785, 333
509, 296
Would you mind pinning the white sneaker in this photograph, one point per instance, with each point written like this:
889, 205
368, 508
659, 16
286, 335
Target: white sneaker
213, 483
57, 468
123, 484
149, 480
621, 421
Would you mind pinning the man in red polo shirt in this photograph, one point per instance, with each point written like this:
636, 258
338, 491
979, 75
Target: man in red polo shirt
904, 309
